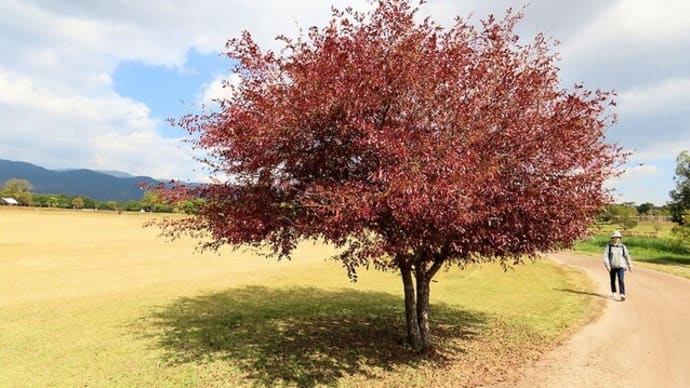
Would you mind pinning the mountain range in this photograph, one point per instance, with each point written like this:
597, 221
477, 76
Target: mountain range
97, 185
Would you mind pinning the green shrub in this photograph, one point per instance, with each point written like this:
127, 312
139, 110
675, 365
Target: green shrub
660, 250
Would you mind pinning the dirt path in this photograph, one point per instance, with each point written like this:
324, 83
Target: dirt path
642, 342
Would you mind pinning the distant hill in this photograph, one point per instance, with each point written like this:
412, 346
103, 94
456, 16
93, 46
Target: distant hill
115, 173
101, 186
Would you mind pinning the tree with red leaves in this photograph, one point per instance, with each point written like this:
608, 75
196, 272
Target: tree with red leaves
409, 146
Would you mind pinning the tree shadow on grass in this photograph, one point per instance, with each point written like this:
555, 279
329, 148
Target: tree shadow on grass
580, 292
301, 336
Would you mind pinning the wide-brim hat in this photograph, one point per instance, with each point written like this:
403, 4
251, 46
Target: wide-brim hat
616, 234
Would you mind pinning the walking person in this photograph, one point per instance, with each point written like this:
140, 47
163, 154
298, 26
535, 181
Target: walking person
617, 260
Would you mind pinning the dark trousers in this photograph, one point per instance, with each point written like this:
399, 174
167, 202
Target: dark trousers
620, 272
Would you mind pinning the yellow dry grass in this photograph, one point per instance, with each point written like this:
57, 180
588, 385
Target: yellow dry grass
48, 254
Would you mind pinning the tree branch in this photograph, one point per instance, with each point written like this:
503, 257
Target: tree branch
438, 262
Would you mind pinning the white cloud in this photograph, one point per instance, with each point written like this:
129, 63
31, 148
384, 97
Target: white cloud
557, 19
631, 42
643, 183
627, 26
215, 90
661, 150
65, 131
654, 119
641, 171
21, 90
664, 96
649, 22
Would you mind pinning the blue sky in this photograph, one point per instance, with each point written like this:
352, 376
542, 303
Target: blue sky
169, 92
89, 84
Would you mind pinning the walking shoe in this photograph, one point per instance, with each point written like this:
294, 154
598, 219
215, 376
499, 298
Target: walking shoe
622, 297
612, 296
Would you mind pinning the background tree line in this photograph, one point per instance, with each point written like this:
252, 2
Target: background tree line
20, 190
627, 215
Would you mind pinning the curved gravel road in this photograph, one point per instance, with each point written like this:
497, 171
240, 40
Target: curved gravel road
642, 342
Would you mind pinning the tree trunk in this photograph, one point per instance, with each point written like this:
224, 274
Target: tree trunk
417, 301
414, 337
423, 305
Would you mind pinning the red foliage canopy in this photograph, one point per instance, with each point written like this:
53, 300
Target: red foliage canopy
391, 137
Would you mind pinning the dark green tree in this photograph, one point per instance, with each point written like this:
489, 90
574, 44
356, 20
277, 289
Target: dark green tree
645, 208
680, 196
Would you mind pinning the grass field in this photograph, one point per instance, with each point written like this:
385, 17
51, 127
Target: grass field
93, 299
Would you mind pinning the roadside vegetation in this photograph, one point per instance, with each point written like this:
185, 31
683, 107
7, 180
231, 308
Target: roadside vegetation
94, 299
654, 243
